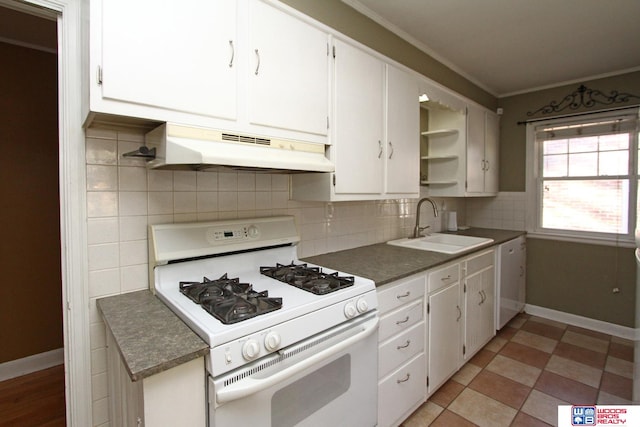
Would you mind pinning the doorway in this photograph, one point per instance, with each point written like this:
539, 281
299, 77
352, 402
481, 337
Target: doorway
31, 320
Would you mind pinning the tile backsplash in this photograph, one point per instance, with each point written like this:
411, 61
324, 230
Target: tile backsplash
123, 198
506, 211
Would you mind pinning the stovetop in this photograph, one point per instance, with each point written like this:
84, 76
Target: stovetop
186, 258
296, 302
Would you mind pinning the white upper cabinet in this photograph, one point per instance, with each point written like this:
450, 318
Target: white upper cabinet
172, 55
403, 142
482, 151
374, 131
459, 147
247, 66
288, 71
358, 121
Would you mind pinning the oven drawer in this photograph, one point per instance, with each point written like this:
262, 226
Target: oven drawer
400, 349
401, 292
400, 320
444, 277
402, 392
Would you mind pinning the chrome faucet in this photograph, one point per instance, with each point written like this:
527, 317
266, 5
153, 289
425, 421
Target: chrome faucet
417, 230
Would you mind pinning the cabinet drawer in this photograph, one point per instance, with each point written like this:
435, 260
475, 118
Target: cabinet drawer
401, 292
481, 261
402, 391
399, 349
400, 320
444, 277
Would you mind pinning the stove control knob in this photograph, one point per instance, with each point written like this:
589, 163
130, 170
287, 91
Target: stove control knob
272, 341
362, 305
250, 349
350, 310
253, 231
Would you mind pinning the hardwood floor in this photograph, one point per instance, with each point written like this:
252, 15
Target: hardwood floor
36, 399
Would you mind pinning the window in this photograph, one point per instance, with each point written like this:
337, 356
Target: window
583, 178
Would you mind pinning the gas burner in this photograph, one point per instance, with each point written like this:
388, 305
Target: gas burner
228, 300
311, 279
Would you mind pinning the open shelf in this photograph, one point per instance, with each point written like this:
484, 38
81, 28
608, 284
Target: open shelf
438, 182
440, 132
444, 157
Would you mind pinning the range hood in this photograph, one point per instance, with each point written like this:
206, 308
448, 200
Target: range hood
190, 147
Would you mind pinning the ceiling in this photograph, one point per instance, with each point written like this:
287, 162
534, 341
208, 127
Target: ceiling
516, 46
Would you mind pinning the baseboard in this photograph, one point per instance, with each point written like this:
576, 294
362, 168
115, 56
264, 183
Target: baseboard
27, 365
584, 322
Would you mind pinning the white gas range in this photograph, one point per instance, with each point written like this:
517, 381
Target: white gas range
278, 329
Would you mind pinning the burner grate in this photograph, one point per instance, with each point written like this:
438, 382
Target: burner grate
228, 300
310, 279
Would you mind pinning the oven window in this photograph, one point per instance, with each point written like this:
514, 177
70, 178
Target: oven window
305, 396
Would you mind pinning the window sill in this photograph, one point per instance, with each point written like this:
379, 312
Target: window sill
625, 242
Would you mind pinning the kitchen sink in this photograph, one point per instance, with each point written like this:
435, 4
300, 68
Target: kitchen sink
444, 243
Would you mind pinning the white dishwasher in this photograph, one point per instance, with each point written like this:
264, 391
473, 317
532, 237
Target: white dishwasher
511, 275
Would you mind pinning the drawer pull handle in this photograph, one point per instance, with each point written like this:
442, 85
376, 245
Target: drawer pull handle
459, 313
404, 346
233, 53
399, 322
405, 379
404, 295
446, 278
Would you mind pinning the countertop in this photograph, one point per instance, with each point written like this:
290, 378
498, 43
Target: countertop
150, 338
385, 263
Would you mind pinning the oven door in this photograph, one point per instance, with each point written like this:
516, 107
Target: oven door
327, 379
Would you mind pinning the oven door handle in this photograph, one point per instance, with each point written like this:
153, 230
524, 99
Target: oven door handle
249, 386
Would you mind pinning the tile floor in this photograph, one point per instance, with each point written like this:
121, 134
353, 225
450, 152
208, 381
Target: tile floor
530, 367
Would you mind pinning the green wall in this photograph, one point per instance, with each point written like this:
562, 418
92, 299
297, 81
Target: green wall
513, 136
569, 277
580, 279
348, 21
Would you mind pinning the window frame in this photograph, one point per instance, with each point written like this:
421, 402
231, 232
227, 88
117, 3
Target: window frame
534, 195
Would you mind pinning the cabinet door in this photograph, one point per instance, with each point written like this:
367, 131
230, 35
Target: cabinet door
403, 133
445, 315
288, 71
475, 149
358, 121
145, 60
479, 310
491, 152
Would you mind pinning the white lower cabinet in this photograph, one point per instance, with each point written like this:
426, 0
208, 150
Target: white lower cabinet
460, 314
401, 350
430, 325
444, 314
479, 301
175, 397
